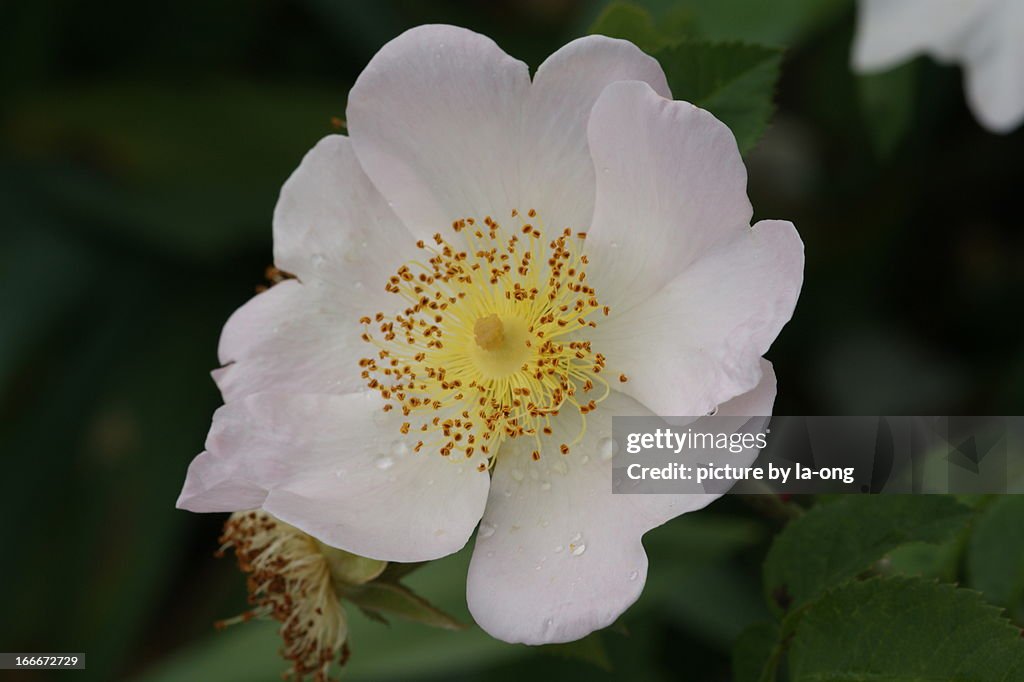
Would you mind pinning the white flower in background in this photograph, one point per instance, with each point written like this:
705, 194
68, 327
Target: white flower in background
985, 36
453, 346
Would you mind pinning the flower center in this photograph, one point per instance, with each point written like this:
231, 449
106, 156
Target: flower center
492, 342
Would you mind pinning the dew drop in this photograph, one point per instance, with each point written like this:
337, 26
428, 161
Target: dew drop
607, 447
380, 417
634, 575
486, 530
613, 245
399, 448
584, 459
508, 492
357, 285
517, 474
383, 462
318, 260
545, 485
578, 550
576, 538
558, 550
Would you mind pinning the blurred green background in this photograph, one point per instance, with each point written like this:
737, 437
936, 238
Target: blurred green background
142, 147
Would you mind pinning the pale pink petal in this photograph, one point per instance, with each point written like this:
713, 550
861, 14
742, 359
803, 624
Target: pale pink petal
335, 232
338, 468
435, 119
332, 227
215, 484
558, 555
670, 185
697, 342
558, 177
292, 338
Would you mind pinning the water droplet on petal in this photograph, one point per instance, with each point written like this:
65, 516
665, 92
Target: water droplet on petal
508, 492
559, 549
607, 448
545, 486
486, 530
383, 462
579, 549
584, 459
634, 575
517, 474
399, 448
713, 411
318, 260
613, 245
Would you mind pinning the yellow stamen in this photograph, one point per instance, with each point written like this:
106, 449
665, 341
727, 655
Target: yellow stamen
491, 342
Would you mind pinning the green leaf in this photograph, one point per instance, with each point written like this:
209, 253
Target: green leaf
752, 652
734, 82
836, 541
632, 23
939, 561
906, 630
995, 554
386, 599
779, 22
590, 649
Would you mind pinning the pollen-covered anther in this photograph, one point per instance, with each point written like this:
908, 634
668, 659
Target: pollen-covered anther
489, 343
289, 580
